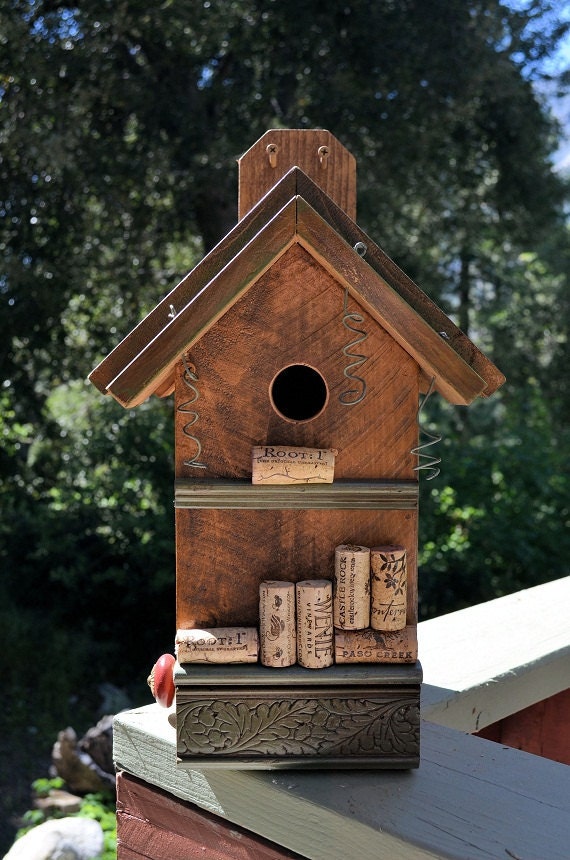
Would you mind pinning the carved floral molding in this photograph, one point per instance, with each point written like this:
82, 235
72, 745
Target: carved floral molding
336, 726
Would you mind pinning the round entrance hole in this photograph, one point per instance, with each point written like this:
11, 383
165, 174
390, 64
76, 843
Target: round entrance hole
298, 392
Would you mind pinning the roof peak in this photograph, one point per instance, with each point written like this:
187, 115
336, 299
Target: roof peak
315, 151
295, 210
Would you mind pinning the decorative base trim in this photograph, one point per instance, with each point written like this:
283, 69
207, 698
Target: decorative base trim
312, 727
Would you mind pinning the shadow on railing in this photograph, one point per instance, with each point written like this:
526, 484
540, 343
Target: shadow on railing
470, 799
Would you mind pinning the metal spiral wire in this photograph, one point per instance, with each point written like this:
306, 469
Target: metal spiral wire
426, 462
189, 378
352, 396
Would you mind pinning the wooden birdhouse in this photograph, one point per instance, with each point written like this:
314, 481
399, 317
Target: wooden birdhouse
298, 354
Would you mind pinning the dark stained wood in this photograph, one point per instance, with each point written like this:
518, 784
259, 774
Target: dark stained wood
334, 173
542, 729
186, 290
223, 556
152, 366
343, 495
154, 825
145, 357
455, 379
374, 725
400, 282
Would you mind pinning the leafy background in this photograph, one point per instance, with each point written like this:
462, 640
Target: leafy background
120, 125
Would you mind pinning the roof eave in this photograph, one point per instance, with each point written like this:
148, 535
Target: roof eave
143, 363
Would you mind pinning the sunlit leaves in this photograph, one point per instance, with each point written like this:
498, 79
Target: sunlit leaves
119, 132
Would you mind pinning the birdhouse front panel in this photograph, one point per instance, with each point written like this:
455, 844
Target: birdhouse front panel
224, 555
280, 369
298, 354
292, 325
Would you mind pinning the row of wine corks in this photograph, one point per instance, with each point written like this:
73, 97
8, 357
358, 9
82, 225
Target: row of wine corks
314, 650
370, 587
297, 623
318, 622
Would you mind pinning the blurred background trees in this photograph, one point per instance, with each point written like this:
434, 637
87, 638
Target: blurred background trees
120, 125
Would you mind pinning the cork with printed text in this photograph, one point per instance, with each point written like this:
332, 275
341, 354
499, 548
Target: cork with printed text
274, 464
376, 646
351, 587
277, 628
217, 645
314, 623
388, 587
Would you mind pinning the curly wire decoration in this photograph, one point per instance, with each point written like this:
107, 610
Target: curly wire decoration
426, 462
189, 378
352, 396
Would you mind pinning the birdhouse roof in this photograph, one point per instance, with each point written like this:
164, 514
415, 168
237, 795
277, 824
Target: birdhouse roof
295, 210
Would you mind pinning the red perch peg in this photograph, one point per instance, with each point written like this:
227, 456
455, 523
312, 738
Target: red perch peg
161, 680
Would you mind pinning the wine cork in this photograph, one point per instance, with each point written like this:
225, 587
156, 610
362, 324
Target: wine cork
376, 646
277, 629
388, 587
314, 623
277, 464
218, 645
351, 587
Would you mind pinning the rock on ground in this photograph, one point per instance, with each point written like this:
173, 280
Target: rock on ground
60, 839
81, 763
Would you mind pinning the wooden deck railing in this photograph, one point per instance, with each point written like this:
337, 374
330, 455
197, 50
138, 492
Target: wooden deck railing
469, 799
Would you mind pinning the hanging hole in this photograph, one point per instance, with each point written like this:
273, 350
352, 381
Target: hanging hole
323, 153
298, 393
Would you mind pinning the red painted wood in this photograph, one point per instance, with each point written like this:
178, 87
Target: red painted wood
542, 729
156, 826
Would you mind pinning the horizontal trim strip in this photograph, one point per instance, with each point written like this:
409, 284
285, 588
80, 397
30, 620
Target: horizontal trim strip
365, 495
320, 762
335, 678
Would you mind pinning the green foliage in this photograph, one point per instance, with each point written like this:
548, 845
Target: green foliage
119, 131
42, 786
43, 666
99, 806
497, 518
91, 519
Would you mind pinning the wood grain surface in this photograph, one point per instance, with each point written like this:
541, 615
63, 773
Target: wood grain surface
143, 361
272, 326
542, 729
469, 798
333, 172
153, 824
223, 556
